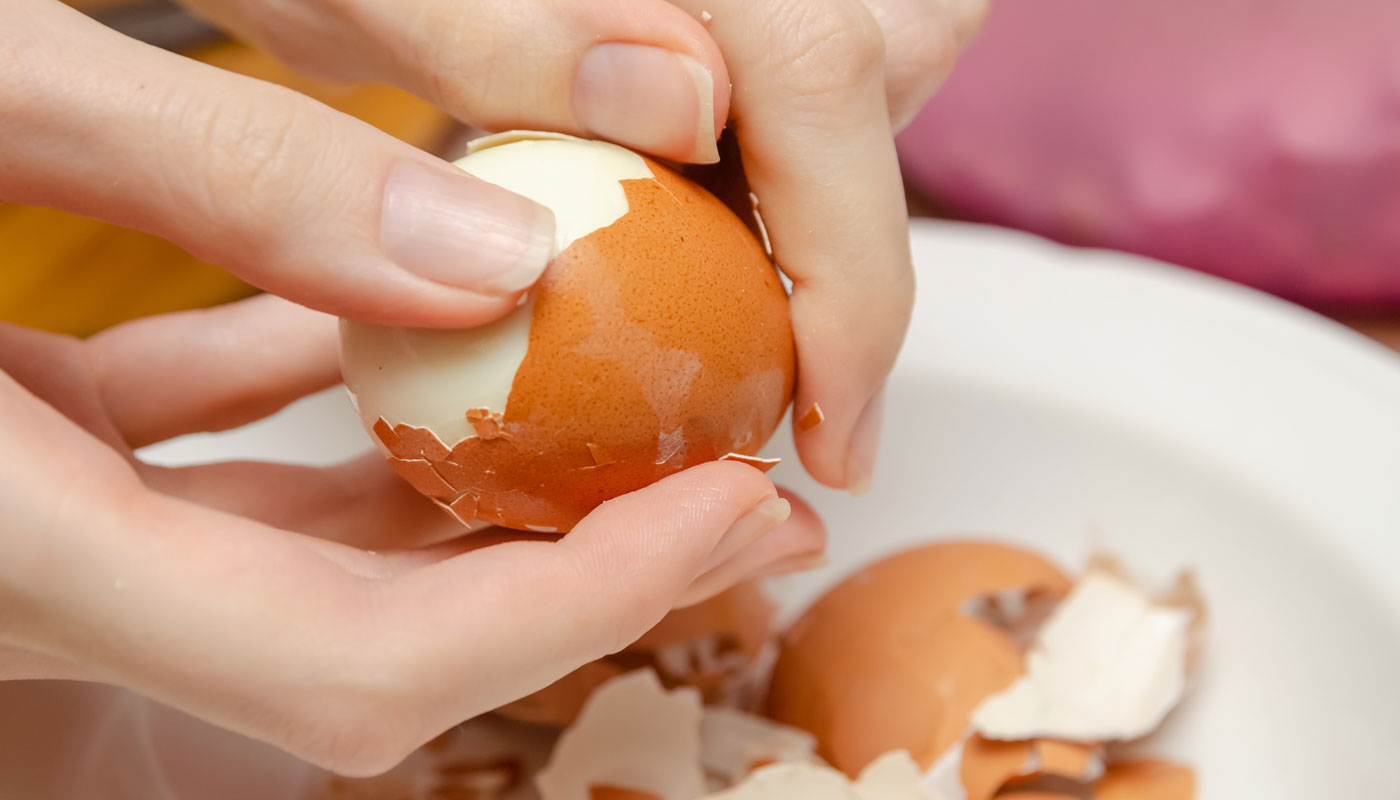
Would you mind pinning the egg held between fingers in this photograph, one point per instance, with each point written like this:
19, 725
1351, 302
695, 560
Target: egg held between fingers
658, 338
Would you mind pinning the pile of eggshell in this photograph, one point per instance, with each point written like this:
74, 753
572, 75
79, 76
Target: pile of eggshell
952, 671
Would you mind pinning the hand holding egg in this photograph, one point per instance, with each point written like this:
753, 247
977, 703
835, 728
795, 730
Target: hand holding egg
270, 598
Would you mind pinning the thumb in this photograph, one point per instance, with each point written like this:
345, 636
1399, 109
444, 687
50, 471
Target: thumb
288, 194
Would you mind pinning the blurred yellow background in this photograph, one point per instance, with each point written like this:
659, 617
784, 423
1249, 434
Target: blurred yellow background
68, 274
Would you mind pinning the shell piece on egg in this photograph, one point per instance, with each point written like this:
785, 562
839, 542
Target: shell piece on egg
902, 619
631, 734
1146, 780
658, 338
892, 776
1109, 664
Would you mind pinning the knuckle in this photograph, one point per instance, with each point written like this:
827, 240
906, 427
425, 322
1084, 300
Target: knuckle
969, 17
248, 152
459, 60
922, 52
826, 48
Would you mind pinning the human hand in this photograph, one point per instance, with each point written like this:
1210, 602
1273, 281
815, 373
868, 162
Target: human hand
322, 209
313, 205
277, 600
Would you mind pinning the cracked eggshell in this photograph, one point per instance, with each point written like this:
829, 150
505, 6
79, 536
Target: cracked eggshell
632, 734
888, 660
658, 338
977, 768
713, 646
1109, 664
734, 744
634, 738
892, 776
1146, 780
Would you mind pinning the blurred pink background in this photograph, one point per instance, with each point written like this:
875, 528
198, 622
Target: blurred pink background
1258, 140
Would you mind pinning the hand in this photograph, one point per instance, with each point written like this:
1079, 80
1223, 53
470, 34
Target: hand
310, 204
207, 587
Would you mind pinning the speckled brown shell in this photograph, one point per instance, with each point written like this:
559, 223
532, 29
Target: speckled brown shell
657, 343
887, 660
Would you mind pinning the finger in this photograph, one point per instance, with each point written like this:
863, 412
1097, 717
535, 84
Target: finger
922, 41
318, 648
212, 369
56, 369
814, 127
361, 503
19, 664
638, 72
292, 196
798, 542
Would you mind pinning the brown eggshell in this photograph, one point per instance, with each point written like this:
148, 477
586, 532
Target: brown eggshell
1146, 780
657, 343
987, 765
1068, 759
738, 621
887, 660
618, 793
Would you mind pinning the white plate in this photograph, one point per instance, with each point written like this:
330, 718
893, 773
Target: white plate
1072, 400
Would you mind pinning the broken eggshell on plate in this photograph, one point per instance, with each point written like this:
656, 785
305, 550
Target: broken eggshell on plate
717, 647
988, 665
635, 738
658, 338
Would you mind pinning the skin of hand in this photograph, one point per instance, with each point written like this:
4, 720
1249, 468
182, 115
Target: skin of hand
247, 593
265, 597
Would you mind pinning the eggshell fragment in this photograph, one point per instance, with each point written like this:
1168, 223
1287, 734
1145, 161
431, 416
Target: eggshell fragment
760, 464
658, 338
1146, 780
734, 743
1074, 760
893, 776
712, 646
978, 768
901, 619
1108, 664
618, 793
987, 765
811, 418
631, 734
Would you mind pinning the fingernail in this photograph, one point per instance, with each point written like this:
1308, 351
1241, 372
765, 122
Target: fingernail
648, 98
748, 529
798, 563
865, 444
457, 230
